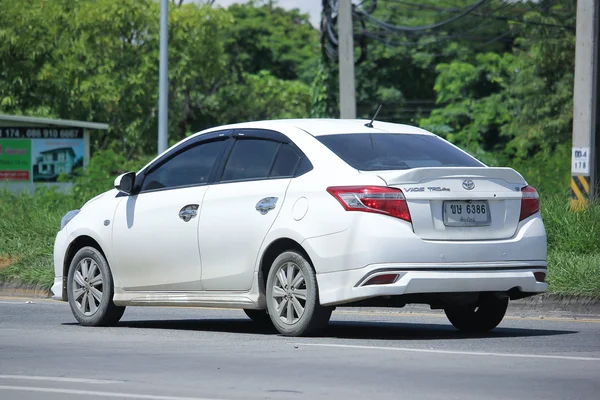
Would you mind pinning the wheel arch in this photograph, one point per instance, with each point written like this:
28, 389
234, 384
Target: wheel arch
273, 250
77, 244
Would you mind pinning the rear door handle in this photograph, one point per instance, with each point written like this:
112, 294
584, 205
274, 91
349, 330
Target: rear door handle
265, 205
188, 212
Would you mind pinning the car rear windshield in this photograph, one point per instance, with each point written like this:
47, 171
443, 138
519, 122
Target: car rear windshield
385, 151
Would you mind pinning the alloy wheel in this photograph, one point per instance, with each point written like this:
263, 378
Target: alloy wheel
289, 293
88, 285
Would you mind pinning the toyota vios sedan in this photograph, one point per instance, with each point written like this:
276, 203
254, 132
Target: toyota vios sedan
288, 219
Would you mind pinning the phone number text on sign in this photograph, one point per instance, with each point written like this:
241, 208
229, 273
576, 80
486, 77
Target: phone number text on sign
580, 163
41, 133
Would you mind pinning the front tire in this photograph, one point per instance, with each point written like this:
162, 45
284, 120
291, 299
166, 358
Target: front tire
479, 318
90, 289
293, 296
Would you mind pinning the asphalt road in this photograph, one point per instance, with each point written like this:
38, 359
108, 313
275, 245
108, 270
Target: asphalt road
179, 353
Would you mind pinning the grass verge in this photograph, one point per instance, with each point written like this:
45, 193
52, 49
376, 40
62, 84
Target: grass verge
28, 225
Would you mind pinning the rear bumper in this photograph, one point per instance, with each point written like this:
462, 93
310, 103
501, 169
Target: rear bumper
336, 288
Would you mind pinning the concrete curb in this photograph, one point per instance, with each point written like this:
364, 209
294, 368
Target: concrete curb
540, 305
549, 303
11, 289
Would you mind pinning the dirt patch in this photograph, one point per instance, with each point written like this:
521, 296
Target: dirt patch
6, 261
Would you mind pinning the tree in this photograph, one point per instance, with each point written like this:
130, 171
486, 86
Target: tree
271, 38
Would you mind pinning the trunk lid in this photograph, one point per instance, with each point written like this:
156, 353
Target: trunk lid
460, 203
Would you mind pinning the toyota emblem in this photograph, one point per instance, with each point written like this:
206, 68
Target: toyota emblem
468, 184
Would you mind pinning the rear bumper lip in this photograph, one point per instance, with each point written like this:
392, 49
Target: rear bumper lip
341, 287
403, 268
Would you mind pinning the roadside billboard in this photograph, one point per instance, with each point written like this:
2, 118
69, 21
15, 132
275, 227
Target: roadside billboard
31, 155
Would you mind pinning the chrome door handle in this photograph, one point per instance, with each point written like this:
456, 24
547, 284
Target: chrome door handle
188, 212
265, 205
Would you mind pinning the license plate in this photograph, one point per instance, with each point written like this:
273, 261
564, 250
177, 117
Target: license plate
466, 213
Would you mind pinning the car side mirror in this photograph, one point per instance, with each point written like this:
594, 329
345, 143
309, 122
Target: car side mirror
125, 182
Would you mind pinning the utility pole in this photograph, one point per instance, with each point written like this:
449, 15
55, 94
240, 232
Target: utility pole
585, 168
346, 60
163, 78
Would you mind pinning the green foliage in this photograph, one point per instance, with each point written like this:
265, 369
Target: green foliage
98, 60
475, 108
573, 246
270, 97
320, 92
267, 37
28, 226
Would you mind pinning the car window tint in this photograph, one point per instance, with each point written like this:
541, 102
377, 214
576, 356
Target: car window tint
285, 163
191, 167
381, 151
250, 159
304, 167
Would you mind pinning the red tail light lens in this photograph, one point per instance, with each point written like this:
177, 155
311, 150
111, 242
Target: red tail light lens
540, 276
373, 199
385, 279
530, 202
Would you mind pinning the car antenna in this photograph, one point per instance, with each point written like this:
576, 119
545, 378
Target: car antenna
370, 123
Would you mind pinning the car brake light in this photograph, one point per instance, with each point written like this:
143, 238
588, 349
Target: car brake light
373, 199
530, 202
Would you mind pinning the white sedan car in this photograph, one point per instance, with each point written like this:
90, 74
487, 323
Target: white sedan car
288, 219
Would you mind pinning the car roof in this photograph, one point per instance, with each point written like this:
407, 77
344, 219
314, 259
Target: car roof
322, 126
312, 126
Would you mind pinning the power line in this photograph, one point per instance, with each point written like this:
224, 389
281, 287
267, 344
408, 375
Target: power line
478, 15
399, 28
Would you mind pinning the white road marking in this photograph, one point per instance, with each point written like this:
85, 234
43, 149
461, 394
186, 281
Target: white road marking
56, 379
99, 394
464, 353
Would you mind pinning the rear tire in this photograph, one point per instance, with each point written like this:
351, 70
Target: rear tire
478, 318
293, 296
258, 316
90, 289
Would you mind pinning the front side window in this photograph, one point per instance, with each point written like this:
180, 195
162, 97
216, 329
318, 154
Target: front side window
387, 151
250, 159
190, 167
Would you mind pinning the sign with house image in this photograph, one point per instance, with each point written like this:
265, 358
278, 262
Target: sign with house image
51, 158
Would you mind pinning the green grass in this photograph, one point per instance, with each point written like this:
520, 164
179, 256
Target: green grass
573, 247
28, 225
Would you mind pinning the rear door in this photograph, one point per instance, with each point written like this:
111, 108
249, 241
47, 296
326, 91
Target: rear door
450, 195
240, 208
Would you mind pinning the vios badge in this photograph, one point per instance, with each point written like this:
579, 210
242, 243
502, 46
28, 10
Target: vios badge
468, 184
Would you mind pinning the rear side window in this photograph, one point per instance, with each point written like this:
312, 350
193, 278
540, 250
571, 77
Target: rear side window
387, 151
285, 163
250, 159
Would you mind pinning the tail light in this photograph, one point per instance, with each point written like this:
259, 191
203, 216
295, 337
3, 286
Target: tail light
530, 202
373, 199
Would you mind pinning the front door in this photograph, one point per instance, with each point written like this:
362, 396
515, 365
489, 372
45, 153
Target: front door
239, 210
155, 233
